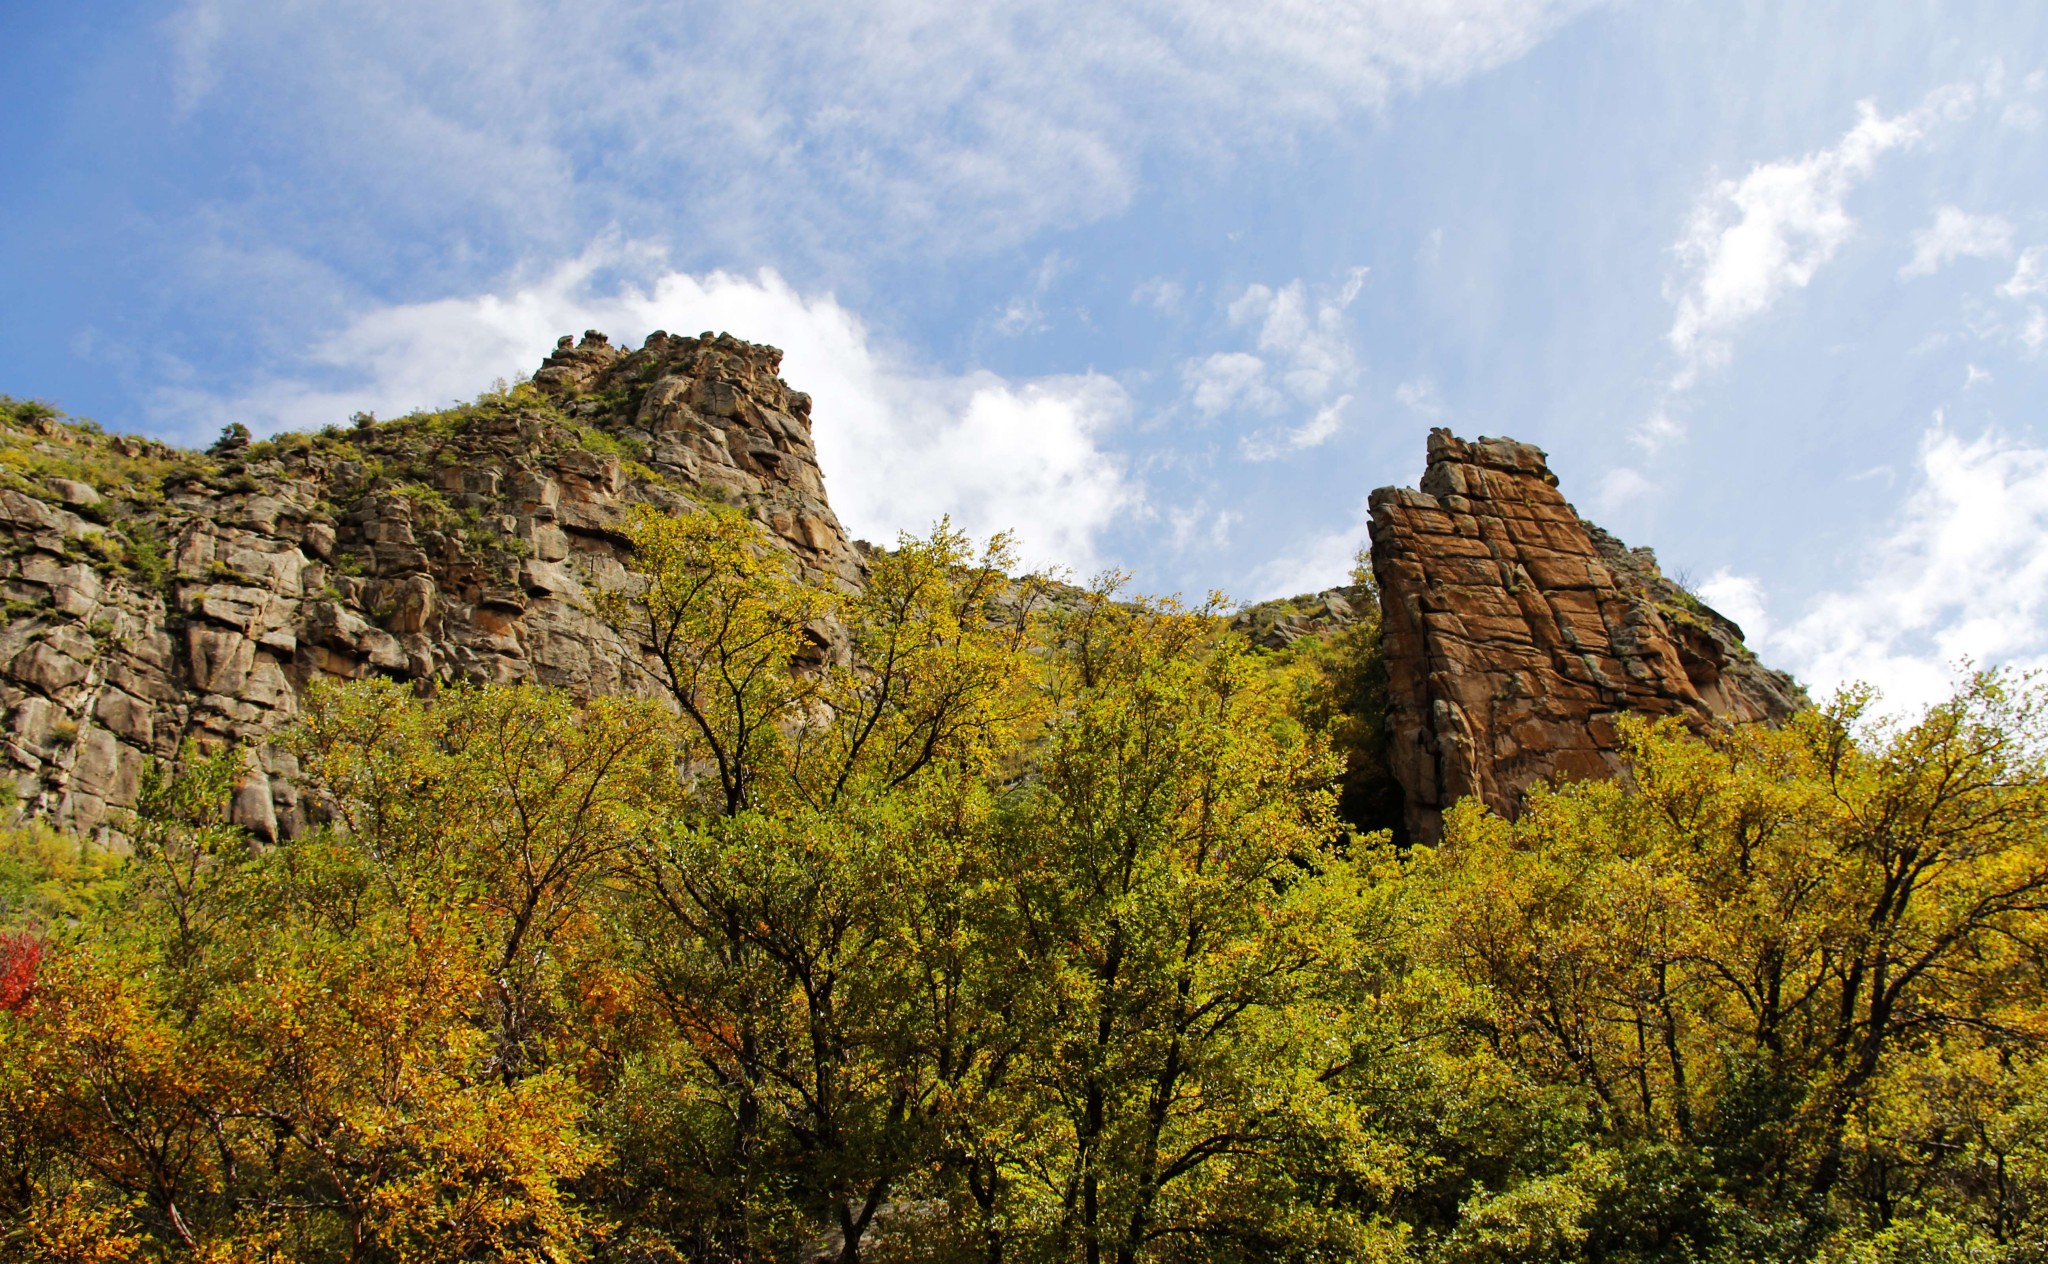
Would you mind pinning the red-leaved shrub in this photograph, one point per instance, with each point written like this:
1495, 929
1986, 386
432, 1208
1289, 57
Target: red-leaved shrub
21, 954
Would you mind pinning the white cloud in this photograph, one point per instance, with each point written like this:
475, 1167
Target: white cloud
1420, 397
1313, 433
2034, 334
1741, 598
1196, 525
1302, 357
1159, 294
1024, 314
913, 123
1661, 431
1020, 317
195, 37
2031, 276
1226, 522
1320, 427
1622, 487
1752, 240
900, 444
2025, 323
1957, 234
2022, 116
1226, 380
1322, 561
1962, 573
1305, 341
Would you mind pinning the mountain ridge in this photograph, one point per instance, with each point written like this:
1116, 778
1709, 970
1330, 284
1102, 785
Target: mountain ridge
157, 596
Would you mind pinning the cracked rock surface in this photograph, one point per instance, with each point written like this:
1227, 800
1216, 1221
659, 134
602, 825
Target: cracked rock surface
1516, 634
154, 596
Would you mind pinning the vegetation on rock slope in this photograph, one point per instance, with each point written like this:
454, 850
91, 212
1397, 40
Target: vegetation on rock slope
1028, 931
154, 597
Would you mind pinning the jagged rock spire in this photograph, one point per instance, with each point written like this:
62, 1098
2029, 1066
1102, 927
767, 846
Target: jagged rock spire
1516, 633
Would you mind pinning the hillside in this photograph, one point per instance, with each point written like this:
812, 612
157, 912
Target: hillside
159, 596
765, 896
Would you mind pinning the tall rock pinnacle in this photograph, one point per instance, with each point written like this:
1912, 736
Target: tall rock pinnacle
1516, 633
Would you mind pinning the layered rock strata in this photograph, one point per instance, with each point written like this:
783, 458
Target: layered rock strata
154, 596
1516, 634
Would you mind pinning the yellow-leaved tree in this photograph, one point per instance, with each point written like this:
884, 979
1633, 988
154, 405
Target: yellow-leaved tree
1743, 955
1189, 926
809, 929
372, 1043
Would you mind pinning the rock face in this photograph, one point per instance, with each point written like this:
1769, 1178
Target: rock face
1515, 633
154, 596
151, 596
1275, 625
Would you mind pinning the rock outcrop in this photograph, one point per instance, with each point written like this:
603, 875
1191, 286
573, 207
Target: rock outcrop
154, 596
1516, 633
1275, 625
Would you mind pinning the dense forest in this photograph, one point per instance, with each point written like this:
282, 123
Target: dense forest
1015, 923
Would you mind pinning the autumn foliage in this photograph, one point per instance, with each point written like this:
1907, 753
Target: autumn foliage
21, 956
962, 919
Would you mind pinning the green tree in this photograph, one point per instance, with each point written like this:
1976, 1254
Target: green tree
791, 928
1187, 916
726, 623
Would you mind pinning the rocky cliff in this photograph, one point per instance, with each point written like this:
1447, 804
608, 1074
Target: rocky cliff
154, 596
1515, 633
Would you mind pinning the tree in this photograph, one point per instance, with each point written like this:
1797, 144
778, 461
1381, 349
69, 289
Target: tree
1731, 950
1186, 913
726, 623
325, 1050
519, 803
786, 926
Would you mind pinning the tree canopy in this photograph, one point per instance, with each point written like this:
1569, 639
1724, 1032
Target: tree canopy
970, 918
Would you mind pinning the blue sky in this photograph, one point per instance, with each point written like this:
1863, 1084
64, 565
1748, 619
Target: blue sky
1168, 287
